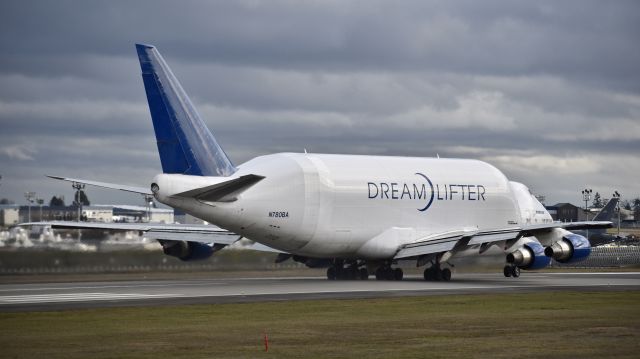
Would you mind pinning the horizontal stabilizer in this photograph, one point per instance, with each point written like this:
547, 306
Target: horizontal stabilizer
105, 185
227, 191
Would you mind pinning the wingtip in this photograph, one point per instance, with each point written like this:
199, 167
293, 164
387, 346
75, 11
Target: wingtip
55, 177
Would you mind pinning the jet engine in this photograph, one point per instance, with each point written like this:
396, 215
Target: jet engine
188, 251
529, 256
571, 248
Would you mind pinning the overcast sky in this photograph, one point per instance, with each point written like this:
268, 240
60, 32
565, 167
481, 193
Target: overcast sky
549, 92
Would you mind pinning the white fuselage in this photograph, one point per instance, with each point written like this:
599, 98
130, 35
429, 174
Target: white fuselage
348, 206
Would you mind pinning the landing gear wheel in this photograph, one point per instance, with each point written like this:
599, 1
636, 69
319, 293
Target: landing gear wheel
398, 274
511, 271
352, 272
387, 273
446, 274
507, 271
364, 274
428, 274
331, 273
434, 273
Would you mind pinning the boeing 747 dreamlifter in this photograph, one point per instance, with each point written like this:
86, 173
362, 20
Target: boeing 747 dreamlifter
355, 215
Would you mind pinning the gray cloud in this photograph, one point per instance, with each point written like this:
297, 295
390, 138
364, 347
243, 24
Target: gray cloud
547, 91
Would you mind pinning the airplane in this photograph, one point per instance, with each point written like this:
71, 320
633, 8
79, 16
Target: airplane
355, 215
598, 237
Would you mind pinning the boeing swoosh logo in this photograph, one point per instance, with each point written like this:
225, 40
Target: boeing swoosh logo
432, 192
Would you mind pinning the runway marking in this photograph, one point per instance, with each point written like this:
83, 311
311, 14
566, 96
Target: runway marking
88, 297
292, 288
207, 282
78, 297
594, 273
373, 290
204, 282
112, 286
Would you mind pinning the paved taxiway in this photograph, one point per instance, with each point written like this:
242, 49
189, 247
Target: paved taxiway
21, 297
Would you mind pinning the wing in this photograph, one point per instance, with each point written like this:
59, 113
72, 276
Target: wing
586, 225
208, 234
168, 232
448, 241
459, 240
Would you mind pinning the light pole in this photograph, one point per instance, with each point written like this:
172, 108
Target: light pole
29, 197
616, 194
586, 196
148, 201
78, 187
40, 202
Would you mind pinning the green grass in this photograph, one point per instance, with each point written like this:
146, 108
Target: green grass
538, 325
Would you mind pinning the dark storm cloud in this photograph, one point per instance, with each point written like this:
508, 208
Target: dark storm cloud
581, 39
553, 85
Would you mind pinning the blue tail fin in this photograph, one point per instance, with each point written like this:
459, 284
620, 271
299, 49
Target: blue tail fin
185, 144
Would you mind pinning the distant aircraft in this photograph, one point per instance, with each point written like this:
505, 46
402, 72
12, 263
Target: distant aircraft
599, 237
355, 215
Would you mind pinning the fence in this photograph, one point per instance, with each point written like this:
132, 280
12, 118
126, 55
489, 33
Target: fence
44, 262
602, 257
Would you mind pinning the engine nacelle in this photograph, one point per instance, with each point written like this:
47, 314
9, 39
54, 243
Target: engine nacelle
530, 256
188, 251
571, 248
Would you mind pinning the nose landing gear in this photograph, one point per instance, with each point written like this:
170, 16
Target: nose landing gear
511, 271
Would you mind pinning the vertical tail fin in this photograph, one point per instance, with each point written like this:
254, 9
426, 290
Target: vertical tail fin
185, 144
606, 213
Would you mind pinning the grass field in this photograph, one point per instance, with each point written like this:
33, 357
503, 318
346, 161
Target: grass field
538, 325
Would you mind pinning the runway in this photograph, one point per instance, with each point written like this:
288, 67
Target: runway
27, 297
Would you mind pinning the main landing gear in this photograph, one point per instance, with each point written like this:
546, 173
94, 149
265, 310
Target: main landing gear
353, 270
435, 273
387, 273
511, 271
338, 271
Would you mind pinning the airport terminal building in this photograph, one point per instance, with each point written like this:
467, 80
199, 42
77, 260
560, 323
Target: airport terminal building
13, 214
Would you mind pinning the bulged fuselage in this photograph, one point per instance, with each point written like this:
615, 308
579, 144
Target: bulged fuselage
357, 206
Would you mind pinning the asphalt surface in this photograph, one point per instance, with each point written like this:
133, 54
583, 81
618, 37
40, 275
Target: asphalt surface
56, 296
